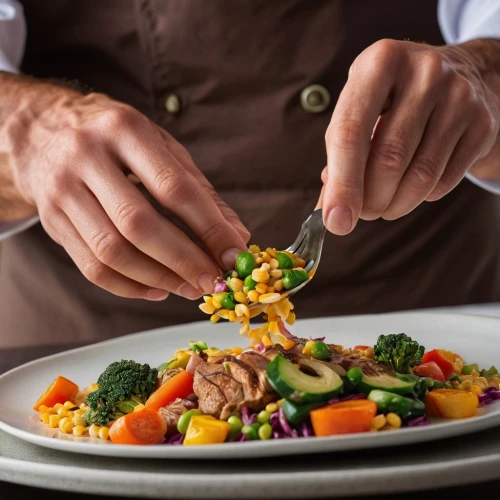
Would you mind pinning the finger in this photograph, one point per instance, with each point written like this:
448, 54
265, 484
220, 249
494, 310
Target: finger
113, 250
97, 272
320, 200
348, 141
185, 158
147, 230
176, 189
395, 140
428, 164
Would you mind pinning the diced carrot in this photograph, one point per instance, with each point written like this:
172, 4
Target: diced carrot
179, 386
139, 427
360, 348
60, 391
346, 417
450, 403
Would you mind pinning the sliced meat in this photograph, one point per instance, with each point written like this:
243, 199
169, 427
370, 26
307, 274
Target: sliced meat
368, 366
216, 388
171, 415
258, 362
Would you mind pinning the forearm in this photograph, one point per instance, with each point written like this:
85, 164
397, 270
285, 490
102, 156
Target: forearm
22, 101
484, 56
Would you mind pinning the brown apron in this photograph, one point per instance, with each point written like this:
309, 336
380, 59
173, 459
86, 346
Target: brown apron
238, 69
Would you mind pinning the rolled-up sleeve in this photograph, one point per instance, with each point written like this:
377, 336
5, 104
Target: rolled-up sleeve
465, 20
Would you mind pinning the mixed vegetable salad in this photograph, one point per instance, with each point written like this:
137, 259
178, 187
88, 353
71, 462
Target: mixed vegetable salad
298, 388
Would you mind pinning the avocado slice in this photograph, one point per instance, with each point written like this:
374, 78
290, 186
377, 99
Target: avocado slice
386, 382
291, 383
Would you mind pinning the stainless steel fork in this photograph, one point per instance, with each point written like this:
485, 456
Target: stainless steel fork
307, 246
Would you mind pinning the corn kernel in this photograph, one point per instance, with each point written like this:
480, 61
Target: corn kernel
276, 273
378, 422
45, 418
104, 433
94, 431
280, 402
272, 408
298, 262
59, 405
266, 340
308, 348
265, 267
271, 251
62, 412
207, 308
240, 297
253, 296
269, 298
44, 409
266, 257
474, 373
254, 249
270, 289
290, 319
54, 421
236, 284
79, 420
261, 288
81, 411
260, 276
259, 260
62, 422
231, 316
370, 353
274, 264
242, 310
244, 329
79, 430
69, 404
393, 420
83, 406
67, 428
476, 389
216, 302
278, 286
207, 299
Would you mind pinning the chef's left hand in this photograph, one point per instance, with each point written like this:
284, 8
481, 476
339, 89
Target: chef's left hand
434, 113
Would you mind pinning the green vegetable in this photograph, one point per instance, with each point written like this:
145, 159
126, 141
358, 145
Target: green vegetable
164, 366
387, 402
399, 352
228, 301
488, 373
251, 431
197, 346
284, 260
229, 275
249, 284
386, 382
320, 350
468, 369
185, 418
122, 386
291, 383
235, 426
422, 384
265, 431
354, 375
447, 385
295, 413
293, 278
245, 264
263, 417
457, 378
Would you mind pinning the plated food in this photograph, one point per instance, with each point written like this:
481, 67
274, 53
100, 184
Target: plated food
205, 395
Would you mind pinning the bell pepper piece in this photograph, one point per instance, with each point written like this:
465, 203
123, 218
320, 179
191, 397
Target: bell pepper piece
430, 369
204, 429
445, 364
450, 403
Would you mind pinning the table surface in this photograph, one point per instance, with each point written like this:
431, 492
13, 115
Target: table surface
10, 358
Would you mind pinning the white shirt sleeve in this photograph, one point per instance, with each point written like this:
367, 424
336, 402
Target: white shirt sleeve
464, 20
12, 42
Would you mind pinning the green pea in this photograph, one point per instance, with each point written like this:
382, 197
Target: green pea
245, 264
293, 278
263, 417
228, 301
184, 419
284, 260
320, 351
249, 284
235, 426
265, 431
448, 385
355, 375
251, 431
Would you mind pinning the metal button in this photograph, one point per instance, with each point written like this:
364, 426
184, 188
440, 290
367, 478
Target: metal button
172, 104
315, 98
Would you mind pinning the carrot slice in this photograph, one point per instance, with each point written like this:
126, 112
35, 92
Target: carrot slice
179, 386
139, 427
346, 417
60, 391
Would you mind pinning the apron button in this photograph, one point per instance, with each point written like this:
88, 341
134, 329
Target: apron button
172, 104
315, 99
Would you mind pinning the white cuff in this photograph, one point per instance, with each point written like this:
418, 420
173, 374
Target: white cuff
491, 186
8, 229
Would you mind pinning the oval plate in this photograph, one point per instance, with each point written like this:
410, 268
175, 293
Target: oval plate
475, 338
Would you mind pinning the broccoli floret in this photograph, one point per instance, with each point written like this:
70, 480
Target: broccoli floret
122, 386
399, 352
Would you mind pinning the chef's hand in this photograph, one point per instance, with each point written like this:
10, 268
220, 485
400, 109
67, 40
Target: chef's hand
434, 113
71, 161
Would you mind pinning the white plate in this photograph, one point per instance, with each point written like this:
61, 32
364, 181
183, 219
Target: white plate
474, 337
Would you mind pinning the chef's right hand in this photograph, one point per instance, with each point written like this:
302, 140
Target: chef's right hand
70, 160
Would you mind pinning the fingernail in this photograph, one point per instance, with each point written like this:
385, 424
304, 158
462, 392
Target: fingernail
229, 258
155, 294
189, 292
206, 282
339, 220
